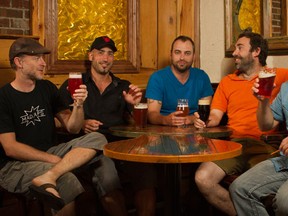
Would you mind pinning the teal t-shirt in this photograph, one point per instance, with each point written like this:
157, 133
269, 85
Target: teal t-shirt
164, 86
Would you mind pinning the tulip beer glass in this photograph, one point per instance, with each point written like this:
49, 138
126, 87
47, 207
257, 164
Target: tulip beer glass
204, 109
140, 115
266, 82
74, 81
183, 106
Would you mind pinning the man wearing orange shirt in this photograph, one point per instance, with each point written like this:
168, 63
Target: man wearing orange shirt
234, 97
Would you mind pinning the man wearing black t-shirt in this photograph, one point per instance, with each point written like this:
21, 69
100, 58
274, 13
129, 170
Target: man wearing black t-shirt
29, 157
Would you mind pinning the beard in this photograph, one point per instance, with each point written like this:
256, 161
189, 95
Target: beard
99, 69
244, 64
181, 69
35, 75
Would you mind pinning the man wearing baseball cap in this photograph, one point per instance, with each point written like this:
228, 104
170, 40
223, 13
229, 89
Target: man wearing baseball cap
101, 42
109, 103
30, 160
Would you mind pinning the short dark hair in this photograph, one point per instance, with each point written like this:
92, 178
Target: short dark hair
256, 41
183, 38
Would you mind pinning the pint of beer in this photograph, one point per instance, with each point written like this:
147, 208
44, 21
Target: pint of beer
74, 81
183, 106
266, 82
204, 109
140, 115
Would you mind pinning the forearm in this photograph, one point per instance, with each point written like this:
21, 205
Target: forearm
76, 120
264, 115
212, 123
156, 118
214, 118
23, 152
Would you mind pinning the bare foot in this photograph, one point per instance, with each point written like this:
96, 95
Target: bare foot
44, 179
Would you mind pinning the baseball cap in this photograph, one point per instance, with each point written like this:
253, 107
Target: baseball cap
27, 46
103, 41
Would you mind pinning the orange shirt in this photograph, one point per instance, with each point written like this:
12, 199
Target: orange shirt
234, 95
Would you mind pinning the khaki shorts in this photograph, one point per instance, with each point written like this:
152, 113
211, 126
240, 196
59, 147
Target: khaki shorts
253, 152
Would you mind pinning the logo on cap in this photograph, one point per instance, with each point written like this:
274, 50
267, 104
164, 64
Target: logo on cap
106, 39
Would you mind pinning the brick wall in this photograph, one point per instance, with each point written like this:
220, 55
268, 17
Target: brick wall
276, 18
15, 17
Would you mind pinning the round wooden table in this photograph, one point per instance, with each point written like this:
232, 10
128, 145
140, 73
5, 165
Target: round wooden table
131, 131
173, 149
184, 148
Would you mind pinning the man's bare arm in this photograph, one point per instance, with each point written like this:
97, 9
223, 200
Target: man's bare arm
264, 116
23, 152
154, 116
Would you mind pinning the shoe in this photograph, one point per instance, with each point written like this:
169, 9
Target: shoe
46, 197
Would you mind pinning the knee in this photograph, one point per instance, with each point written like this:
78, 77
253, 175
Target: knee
237, 188
203, 179
105, 177
94, 140
280, 204
69, 187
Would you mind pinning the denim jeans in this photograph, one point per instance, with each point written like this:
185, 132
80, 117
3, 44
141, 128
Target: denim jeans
261, 180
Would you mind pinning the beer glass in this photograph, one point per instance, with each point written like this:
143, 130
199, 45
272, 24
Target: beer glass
204, 109
183, 106
266, 82
140, 115
74, 81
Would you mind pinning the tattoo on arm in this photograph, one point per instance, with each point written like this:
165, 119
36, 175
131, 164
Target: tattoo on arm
151, 101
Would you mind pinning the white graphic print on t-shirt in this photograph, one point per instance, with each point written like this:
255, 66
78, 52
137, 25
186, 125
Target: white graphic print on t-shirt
32, 116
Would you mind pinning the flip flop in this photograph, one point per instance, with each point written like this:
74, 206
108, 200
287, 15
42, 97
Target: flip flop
50, 199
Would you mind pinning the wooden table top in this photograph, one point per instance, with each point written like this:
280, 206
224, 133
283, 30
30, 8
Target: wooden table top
184, 148
131, 131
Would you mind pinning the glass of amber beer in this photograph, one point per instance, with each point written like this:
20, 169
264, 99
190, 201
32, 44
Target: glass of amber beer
183, 106
74, 81
204, 109
140, 115
266, 81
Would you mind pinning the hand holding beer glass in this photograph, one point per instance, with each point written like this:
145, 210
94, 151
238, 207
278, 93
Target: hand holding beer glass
204, 109
184, 107
74, 82
266, 81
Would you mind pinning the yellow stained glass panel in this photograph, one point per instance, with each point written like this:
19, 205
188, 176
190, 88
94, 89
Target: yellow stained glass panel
80, 22
250, 15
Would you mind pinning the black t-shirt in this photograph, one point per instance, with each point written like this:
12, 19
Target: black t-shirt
109, 107
30, 115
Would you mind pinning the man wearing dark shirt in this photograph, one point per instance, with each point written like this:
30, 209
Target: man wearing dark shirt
110, 101
30, 157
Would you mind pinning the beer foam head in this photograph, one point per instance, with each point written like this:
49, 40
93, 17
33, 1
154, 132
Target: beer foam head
75, 75
266, 74
141, 106
204, 102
